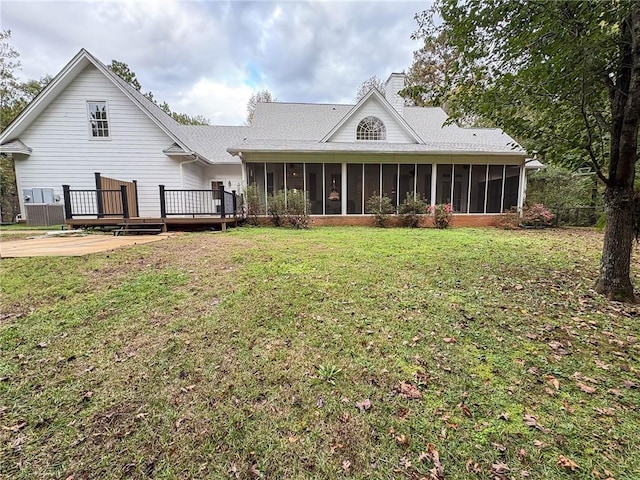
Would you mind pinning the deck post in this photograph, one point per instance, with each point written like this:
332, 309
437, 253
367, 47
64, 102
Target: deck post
99, 199
135, 187
163, 205
66, 195
222, 207
125, 201
235, 203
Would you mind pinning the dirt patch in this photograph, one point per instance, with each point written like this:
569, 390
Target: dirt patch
71, 246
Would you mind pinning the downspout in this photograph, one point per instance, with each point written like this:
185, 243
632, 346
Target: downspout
195, 159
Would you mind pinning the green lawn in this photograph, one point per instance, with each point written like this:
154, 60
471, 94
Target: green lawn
471, 353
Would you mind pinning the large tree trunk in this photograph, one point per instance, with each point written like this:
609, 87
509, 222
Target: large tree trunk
614, 281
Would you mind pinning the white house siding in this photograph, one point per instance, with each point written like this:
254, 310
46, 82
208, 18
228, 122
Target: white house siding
192, 177
225, 173
63, 152
395, 133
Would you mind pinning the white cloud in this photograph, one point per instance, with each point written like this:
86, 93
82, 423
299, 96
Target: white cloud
221, 103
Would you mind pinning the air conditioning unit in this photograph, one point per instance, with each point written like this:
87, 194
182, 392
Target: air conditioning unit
43, 215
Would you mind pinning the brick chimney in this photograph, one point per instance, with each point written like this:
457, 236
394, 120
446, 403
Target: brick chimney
392, 86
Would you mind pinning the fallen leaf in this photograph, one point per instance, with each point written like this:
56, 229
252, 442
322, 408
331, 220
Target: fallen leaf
532, 421
364, 405
500, 468
402, 440
42, 345
465, 409
630, 384
410, 391
16, 427
567, 463
553, 381
504, 416
450, 340
609, 411
346, 465
498, 446
539, 443
586, 388
472, 466
320, 402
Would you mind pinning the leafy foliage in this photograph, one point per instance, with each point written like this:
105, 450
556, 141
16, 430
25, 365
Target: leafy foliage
254, 203
290, 206
261, 96
297, 208
559, 187
381, 208
14, 97
536, 215
560, 77
368, 84
442, 215
411, 209
277, 207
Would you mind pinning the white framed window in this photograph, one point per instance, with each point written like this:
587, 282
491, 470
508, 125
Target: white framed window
371, 128
98, 119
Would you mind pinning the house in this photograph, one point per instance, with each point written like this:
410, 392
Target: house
89, 120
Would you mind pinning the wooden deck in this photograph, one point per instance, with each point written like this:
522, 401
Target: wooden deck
172, 223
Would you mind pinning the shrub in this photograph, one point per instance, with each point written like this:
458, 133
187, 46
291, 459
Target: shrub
410, 210
288, 207
536, 215
509, 219
254, 203
442, 214
277, 207
381, 207
297, 208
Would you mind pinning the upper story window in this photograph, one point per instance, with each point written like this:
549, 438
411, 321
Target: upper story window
371, 128
98, 121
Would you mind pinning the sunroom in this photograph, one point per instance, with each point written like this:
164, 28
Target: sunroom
337, 186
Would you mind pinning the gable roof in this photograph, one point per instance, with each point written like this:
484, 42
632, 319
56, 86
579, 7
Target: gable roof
295, 127
385, 104
188, 139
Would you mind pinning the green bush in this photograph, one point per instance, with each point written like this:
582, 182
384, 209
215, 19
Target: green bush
277, 207
297, 208
254, 202
381, 207
442, 215
411, 209
288, 207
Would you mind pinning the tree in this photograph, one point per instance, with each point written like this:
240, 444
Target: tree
368, 84
431, 71
261, 96
565, 78
9, 85
14, 97
124, 72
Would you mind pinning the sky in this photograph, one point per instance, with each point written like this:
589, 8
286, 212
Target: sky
206, 57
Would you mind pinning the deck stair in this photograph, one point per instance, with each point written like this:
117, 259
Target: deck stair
140, 226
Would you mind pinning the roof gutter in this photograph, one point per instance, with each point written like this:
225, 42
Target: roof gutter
193, 160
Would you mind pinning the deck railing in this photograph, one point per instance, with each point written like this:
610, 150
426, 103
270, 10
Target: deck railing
214, 202
100, 203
